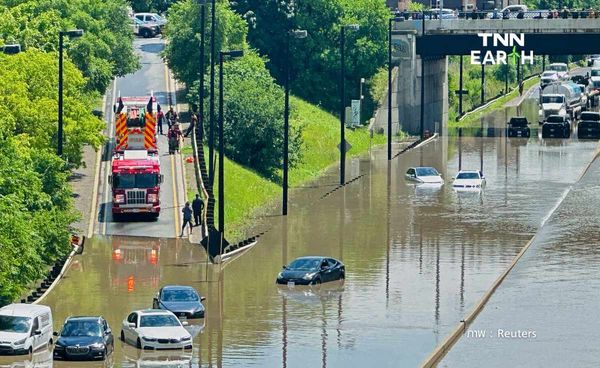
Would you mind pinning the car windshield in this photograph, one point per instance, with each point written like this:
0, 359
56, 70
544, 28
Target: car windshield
179, 296
549, 74
552, 99
426, 171
305, 264
555, 119
159, 320
595, 73
129, 181
516, 122
467, 175
590, 116
558, 68
15, 324
81, 328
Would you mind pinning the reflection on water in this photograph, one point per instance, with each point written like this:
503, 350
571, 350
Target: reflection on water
39, 359
416, 260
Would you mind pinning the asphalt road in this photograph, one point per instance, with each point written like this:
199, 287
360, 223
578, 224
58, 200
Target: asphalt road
154, 78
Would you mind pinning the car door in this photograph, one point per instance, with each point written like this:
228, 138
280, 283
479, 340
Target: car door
109, 339
130, 333
335, 269
36, 340
325, 271
410, 174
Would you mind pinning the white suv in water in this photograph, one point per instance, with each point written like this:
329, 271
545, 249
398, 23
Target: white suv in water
24, 328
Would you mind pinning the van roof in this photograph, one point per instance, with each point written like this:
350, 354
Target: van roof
23, 310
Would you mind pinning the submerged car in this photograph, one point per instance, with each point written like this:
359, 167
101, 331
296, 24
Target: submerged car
589, 125
155, 329
518, 127
469, 179
556, 126
427, 175
311, 271
84, 338
183, 301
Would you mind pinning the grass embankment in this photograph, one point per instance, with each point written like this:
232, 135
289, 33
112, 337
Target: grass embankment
474, 118
248, 194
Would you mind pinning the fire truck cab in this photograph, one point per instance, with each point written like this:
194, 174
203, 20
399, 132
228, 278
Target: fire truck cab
135, 180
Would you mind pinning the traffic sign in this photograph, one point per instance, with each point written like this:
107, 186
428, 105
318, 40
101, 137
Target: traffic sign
355, 112
347, 144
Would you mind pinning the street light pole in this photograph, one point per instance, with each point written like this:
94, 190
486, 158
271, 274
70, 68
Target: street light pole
200, 127
286, 117
222, 54
211, 134
390, 67
71, 34
343, 102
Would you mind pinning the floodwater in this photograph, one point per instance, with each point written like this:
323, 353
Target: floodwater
545, 311
417, 259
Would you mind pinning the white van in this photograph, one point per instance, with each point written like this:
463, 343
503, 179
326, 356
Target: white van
24, 328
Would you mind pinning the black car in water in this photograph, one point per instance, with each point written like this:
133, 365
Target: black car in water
312, 271
556, 126
518, 127
183, 301
589, 125
84, 338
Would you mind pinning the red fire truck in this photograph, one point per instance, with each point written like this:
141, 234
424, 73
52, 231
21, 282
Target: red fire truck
135, 180
135, 123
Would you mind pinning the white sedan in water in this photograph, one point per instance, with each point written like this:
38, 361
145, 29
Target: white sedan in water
424, 175
469, 179
155, 329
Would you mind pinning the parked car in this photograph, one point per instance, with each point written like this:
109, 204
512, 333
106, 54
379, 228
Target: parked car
589, 125
561, 69
518, 127
155, 329
24, 328
445, 14
144, 29
84, 338
590, 59
311, 271
556, 126
427, 175
152, 18
547, 77
183, 301
469, 179
513, 10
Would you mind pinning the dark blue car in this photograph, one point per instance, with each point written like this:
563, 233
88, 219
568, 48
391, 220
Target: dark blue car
84, 338
312, 271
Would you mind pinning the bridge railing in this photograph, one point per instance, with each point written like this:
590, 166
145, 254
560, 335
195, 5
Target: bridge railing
491, 14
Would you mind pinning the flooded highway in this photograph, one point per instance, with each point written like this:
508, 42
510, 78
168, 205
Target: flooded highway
545, 306
416, 259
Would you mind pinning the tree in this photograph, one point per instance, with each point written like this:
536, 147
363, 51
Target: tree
102, 53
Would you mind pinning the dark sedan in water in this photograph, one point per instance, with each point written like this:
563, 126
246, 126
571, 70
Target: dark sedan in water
84, 338
312, 271
183, 301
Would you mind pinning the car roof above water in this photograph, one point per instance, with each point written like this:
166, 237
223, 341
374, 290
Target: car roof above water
24, 310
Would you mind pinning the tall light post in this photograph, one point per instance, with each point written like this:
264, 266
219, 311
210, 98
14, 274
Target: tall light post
222, 55
74, 33
390, 67
297, 34
200, 123
352, 27
211, 134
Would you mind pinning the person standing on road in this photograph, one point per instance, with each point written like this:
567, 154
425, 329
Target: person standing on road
197, 207
171, 116
187, 218
160, 116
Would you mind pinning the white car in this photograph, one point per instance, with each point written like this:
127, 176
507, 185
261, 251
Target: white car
590, 59
155, 329
469, 179
560, 68
547, 77
424, 175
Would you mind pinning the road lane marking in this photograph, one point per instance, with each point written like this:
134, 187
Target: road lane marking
107, 164
172, 161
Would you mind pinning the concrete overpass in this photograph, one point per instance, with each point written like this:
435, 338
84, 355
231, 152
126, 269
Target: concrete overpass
421, 49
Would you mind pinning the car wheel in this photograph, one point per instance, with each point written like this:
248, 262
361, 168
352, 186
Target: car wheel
343, 275
139, 343
317, 281
122, 336
30, 351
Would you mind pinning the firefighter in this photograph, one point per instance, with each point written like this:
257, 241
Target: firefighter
191, 126
171, 116
174, 135
197, 207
